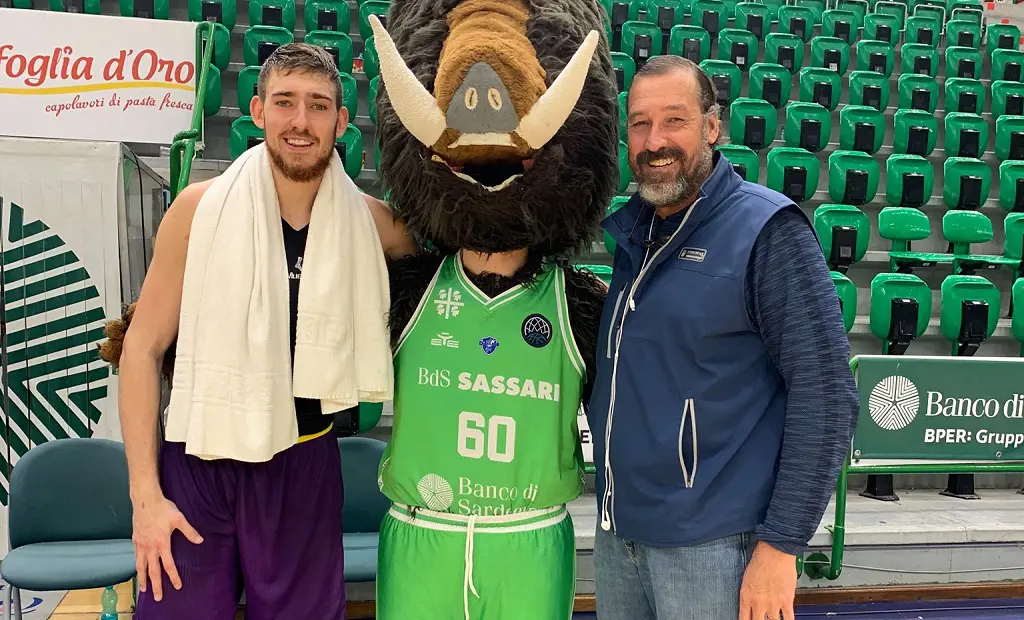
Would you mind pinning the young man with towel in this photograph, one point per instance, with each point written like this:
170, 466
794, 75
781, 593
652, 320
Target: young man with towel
249, 473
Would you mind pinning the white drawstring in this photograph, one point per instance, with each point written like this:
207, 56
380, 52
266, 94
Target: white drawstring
467, 583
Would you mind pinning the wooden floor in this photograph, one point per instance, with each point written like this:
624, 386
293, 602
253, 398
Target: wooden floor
85, 604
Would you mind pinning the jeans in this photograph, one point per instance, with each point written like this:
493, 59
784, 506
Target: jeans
638, 582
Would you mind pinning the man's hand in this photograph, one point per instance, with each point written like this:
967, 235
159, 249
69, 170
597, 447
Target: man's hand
769, 585
153, 523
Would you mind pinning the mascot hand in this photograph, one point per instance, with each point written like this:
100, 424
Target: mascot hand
115, 331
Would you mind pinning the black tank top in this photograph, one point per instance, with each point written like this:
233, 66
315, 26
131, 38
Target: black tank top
310, 417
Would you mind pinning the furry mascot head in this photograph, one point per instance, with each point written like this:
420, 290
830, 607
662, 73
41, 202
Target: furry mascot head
497, 122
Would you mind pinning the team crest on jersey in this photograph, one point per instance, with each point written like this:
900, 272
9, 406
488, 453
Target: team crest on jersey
489, 344
536, 330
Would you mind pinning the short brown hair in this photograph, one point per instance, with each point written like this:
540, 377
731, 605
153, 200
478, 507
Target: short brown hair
301, 57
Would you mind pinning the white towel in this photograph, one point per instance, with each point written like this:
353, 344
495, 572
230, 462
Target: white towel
232, 392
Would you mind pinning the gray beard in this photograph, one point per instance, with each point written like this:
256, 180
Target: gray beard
683, 186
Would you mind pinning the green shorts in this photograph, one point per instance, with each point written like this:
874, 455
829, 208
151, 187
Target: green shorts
441, 566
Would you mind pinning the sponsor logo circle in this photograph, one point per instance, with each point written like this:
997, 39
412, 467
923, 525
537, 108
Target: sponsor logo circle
893, 403
536, 330
436, 492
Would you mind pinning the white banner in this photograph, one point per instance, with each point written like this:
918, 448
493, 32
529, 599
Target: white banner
92, 77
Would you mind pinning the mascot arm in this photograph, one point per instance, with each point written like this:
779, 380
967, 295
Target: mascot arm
585, 294
409, 277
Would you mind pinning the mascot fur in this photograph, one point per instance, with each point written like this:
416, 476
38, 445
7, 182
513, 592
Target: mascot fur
498, 132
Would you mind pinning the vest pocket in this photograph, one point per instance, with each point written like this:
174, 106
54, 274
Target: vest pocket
689, 413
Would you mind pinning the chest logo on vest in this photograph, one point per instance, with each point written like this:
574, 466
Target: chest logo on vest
489, 344
694, 254
536, 330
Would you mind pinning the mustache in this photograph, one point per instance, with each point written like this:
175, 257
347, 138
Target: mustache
645, 157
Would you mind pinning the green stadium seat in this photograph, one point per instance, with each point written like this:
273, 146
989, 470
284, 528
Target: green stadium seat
711, 15
221, 56
869, 89
1007, 98
923, 30
966, 182
350, 95
847, 292
796, 20
964, 62
146, 9
248, 79
1017, 319
932, 9
841, 24
641, 41
327, 15
16, 4
830, 53
917, 92
821, 86
244, 135
793, 172
280, 13
727, 78
754, 17
874, 55
752, 123
1009, 137
337, 44
965, 95
625, 69
970, 10
909, 180
919, 59
218, 11
901, 306
214, 93
963, 33
375, 85
808, 126
861, 128
969, 312
770, 82
962, 229
902, 226
743, 159
1013, 240
783, 48
844, 232
259, 42
817, 8
966, 135
859, 8
882, 28
350, 149
852, 177
692, 42
87, 7
616, 203
664, 14
738, 47
915, 132
1006, 65
618, 12
623, 110
372, 7
1011, 185
1001, 36
625, 174
371, 62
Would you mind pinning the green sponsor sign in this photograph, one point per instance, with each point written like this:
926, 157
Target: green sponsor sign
940, 408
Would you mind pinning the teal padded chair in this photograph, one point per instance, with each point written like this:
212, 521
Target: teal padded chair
364, 508
69, 519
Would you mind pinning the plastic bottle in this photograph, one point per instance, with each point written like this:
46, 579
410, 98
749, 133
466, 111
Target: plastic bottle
108, 603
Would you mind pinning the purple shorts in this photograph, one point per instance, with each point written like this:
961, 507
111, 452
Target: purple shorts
271, 528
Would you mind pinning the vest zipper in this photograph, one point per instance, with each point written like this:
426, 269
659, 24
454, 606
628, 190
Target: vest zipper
607, 501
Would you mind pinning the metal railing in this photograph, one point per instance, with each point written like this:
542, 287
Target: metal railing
183, 148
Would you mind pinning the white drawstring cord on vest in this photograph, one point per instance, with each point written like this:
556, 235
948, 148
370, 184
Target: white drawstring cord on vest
467, 584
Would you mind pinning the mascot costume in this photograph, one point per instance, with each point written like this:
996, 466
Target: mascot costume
498, 135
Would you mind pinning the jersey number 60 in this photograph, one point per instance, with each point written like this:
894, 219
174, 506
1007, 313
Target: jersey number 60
472, 436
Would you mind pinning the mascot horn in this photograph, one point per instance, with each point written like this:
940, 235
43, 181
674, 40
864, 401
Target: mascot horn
497, 128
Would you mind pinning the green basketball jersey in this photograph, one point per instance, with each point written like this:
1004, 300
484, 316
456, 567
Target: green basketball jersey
487, 392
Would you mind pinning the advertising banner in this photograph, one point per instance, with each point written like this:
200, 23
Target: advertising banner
92, 77
940, 409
